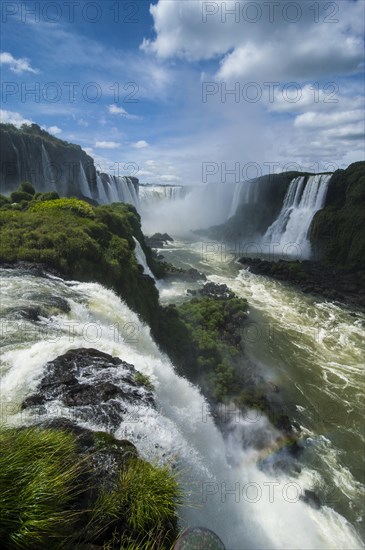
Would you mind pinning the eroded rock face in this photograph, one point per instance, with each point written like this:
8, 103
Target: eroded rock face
93, 386
47, 162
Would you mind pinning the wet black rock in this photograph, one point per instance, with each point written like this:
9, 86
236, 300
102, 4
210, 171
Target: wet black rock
93, 384
171, 272
213, 290
311, 498
158, 240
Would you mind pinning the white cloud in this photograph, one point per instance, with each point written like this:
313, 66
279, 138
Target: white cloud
55, 130
312, 119
140, 144
18, 66
88, 150
257, 42
329, 97
115, 110
107, 144
11, 117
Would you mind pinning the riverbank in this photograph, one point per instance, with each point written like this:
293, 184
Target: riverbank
314, 278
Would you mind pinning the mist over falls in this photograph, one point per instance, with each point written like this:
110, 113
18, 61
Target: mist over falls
273, 210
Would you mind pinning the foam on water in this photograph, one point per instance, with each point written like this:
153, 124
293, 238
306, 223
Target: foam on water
180, 430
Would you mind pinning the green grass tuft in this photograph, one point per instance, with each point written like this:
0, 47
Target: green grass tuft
144, 380
38, 482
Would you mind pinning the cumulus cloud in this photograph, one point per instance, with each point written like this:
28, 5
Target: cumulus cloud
140, 144
253, 40
18, 66
11, 117
107, 144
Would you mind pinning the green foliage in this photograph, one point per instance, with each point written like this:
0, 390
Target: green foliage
143, 380
144, 501
338, 230
81, 242
78, 207
27, 187
18, 196
4, 200
39, 472
48, 196
44, 480
203, 338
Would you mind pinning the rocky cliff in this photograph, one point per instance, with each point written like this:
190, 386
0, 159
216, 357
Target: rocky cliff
50, 164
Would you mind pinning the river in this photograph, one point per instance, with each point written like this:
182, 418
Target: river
312, 350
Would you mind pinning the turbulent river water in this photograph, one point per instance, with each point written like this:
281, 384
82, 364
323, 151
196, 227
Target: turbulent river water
311, 349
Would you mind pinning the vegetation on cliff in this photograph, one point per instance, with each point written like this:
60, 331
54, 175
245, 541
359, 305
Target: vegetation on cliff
80, 241
338, 230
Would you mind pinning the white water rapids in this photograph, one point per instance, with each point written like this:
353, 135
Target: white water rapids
226, 492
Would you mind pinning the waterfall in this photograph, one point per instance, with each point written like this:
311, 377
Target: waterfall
141, 259
102, 196
225, 490
301, 202
48, 173
132, 191
245, 192
117, 189
85, 188
149, 194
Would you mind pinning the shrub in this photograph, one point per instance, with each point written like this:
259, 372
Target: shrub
18, 196
27, 187
78, 207
48, 196
4, 200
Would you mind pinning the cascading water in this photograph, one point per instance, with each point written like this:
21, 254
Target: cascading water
102, 196
247, 507
141, 259
245, 192
149, 194
85, 187
48, 173
116, 189
301, 202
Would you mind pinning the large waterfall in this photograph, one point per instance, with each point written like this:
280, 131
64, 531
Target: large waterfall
301, 202
226, 491
117, 189
149, 194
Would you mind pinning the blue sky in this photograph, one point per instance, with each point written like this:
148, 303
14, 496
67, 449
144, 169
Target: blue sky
147, 84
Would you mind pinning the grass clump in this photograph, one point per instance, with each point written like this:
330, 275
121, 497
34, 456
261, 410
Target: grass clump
38, 482
51, 499
144, 501
144, 380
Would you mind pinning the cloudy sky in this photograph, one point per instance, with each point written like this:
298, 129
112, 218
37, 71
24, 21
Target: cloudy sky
187, 91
